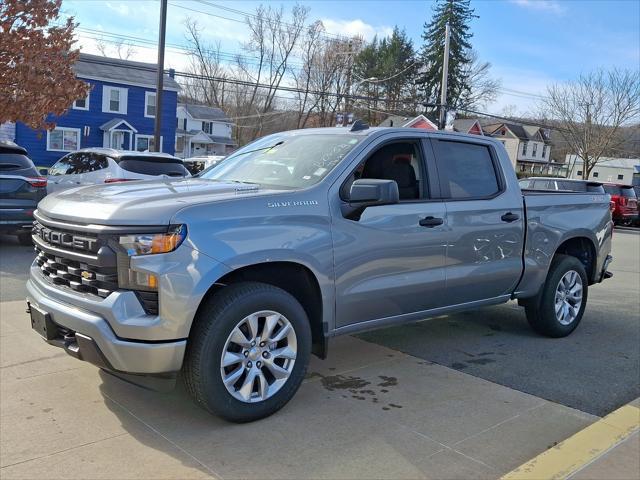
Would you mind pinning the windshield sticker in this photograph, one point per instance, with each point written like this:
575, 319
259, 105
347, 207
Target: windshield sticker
319, 172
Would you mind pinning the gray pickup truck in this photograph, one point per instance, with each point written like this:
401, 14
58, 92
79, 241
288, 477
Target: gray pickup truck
235, 277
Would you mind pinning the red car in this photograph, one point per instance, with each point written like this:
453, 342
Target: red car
625, 209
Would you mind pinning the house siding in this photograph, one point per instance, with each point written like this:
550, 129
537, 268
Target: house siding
35, 141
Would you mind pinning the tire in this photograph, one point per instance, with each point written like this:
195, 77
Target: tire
25, 239
541, 314
211, 335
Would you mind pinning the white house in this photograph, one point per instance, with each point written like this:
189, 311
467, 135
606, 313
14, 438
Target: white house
615, 170
528, 146
202, 130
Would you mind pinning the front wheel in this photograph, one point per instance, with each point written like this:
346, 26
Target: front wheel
560, 307
248, 351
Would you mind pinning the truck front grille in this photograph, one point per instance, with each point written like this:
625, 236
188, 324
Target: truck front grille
81, 277
83, 261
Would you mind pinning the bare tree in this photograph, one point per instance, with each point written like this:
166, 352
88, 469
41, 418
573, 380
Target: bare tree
592, 110
205, 62
483, 88
122, 49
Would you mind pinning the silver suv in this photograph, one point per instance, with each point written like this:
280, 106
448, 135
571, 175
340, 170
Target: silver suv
91, 166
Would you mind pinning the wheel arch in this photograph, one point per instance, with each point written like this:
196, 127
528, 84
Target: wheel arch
292, 277
584, 249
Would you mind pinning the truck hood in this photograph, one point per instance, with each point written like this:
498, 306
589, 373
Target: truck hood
152, 202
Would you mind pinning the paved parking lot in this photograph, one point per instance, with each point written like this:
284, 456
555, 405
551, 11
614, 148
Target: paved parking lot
476, 396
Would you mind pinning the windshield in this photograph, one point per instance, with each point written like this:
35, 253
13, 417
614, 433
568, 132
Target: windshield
287, 161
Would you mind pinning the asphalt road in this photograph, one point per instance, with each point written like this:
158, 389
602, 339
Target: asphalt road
595, 370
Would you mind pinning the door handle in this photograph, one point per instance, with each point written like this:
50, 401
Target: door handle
510, 217
431, 221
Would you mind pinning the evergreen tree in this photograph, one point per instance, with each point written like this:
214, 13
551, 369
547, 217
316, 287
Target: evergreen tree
458, 14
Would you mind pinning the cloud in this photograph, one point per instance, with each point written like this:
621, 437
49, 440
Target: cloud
120, 8
357, 27
551, 6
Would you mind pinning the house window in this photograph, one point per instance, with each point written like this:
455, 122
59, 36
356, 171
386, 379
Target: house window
620, 177
580, 172
524, 148
81, 103
184, 124
595, 174
207, 127
534, 151
544, 151
179, 143
149, 104
63, 139
146, 143
114, 99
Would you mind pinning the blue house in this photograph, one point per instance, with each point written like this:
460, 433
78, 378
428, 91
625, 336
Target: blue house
119, 112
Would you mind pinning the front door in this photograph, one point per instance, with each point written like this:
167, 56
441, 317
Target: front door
386, 263
485, 222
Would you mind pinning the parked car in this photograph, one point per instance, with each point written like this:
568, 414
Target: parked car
560, 183
90, 166
625, 210
235, 278
21, 188
196, 165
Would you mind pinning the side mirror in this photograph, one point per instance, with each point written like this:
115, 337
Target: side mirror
43, 171
369, 191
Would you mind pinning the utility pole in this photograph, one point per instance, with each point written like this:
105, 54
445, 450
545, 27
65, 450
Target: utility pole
445, 75
160, 80
347, 102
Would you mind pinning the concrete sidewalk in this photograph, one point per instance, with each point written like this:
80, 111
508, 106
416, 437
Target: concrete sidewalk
366, 412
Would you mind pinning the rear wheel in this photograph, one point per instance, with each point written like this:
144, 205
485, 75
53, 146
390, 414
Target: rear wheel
248, 351
559, 309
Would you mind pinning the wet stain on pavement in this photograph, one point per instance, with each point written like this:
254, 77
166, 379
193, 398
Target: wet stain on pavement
387, 381
341, 382
481, 361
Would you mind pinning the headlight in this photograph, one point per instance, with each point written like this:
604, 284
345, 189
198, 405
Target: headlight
151, 243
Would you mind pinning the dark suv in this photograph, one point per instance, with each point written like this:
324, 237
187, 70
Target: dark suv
21, 188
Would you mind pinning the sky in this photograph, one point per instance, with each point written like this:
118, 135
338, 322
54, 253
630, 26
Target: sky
529, 43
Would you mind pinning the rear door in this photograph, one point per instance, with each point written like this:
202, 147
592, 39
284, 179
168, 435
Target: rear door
485, 221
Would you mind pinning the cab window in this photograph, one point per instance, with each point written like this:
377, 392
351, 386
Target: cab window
398, 161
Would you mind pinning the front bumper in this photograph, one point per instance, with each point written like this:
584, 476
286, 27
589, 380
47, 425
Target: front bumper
96, 342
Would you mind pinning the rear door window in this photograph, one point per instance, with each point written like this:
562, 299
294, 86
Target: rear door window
17, 164
466, 170
154, 166
613, 189
79, 162
628, 192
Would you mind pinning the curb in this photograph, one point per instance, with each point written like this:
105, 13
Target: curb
579, 450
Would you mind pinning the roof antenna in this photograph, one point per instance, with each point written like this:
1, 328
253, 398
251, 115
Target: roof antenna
358, 125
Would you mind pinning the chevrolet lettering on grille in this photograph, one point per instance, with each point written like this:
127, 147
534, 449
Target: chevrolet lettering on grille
64, 239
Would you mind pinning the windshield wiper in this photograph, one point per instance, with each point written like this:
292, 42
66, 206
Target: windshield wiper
263, 148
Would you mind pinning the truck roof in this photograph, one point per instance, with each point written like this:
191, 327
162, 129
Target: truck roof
379, 130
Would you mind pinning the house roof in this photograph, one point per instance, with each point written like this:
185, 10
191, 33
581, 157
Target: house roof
523, 132
631, 163
464, 124
401, 121
115, 122
121, 71
202, 112
213, 138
